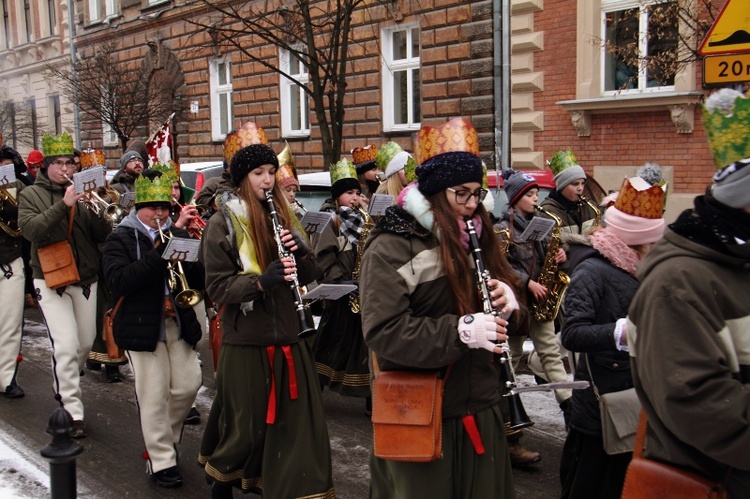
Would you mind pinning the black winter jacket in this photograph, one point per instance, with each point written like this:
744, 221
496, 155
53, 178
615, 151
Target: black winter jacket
135, 269
598, 295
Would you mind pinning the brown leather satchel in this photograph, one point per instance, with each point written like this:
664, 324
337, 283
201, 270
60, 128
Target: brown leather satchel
214, 335
108, 334
407, 415
646, 479
58, 262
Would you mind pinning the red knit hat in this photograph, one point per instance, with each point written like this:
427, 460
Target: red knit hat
35, 157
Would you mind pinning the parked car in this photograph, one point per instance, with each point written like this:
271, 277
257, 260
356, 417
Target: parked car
314, 189
194, 175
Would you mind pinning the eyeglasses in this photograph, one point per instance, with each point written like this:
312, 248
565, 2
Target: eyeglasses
463, 195
68, 163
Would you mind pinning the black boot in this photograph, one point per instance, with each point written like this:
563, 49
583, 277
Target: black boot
567, 408
113, 374
221, 491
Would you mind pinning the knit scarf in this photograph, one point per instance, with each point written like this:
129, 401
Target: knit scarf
352, 222
615, 250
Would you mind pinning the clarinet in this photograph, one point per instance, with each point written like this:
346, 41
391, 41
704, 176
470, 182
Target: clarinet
306, 326
518, 417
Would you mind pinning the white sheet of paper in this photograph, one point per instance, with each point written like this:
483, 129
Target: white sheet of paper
315, 221
7, 174
88, 180
182, 249
329, 291
537, 230
379, 203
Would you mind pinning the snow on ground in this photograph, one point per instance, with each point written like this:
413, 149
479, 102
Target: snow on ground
21, 475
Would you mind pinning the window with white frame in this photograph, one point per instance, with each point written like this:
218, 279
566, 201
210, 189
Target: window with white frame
28, 20
221, 98
110, 8
54, 114
295, 119
95, 11
635, 34
6, 24
52, 16
401, 78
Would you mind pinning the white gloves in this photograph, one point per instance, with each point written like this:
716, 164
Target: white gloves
478, 331
512, 304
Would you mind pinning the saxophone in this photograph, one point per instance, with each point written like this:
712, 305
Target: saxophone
354, 300
550, 277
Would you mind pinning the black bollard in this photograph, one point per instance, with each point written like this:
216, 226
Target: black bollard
62, 452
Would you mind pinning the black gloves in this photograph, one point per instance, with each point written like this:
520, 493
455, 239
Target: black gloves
302, 249
273, 276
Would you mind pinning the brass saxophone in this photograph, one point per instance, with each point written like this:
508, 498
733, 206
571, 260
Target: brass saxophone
551, 277
597, 212
354, 300
10, 227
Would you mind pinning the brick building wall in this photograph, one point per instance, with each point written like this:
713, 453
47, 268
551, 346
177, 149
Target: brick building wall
456, 72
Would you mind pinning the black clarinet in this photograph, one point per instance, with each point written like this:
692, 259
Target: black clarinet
306, 325
518, 417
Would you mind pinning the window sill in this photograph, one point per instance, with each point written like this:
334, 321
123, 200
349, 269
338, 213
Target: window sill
679, 104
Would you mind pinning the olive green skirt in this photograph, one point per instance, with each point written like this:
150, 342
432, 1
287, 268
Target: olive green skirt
460, 473
290, 458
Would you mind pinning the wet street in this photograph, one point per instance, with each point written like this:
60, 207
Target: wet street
111, 465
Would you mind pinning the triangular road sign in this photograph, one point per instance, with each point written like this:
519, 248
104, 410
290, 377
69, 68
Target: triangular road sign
730, 32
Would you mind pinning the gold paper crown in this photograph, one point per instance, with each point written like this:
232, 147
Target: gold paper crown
158, 191
343, 169
640, 200
286, 175
60, 145
728, 128
562, 160
364, 154
92, 157
167, 171
386, 153
246, 135
456, 135
285, 158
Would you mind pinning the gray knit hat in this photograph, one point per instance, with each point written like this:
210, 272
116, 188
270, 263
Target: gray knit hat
127, 157
732, 184
517, 184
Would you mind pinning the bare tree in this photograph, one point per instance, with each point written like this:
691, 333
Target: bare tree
675, 30
18, 124
318, 34
114, 93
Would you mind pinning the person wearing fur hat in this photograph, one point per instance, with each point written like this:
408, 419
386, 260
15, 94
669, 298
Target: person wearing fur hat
527, 257
565, 201
421, 311
340, 351
266, 432
596, 303
44, 211
131, 166
687, 324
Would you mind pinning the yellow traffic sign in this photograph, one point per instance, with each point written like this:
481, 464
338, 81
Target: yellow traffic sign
727, 68
730, 32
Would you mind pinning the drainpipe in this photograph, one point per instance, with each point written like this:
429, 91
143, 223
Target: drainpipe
501, 51
71, 39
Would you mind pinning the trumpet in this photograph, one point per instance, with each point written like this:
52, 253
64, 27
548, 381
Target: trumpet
10, 227
110, 211
186, 297
195, 230
306, 325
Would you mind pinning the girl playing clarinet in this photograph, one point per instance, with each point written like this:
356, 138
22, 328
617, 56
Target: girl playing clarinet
266, 432
421, 311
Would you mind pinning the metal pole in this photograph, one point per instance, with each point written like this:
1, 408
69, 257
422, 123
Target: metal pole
71, 39
61, 453
501, 63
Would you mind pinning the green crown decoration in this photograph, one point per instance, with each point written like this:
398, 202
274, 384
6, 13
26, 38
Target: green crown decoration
59, 145
410, 170
158, 191
167, 170
386, 153
562, 160
727, 126
343, 169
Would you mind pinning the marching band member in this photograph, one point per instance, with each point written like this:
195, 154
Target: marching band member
367, 171
159, 336
131, 166
286, 177
266, 432
421, 311
392, 161
70, 311
340, 351
12, 283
